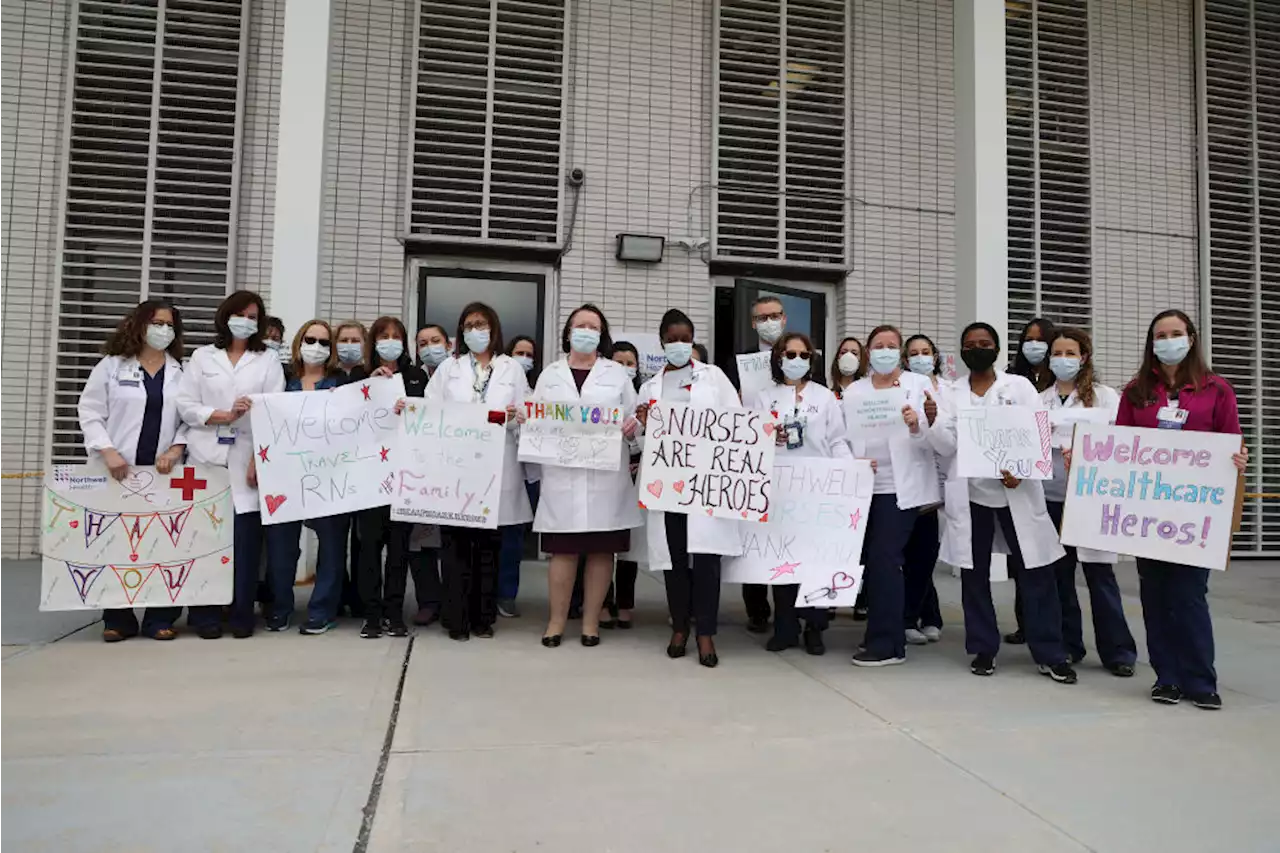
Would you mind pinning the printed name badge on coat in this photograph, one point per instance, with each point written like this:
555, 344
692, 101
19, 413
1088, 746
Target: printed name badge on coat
130, 376
227, 434
1171, 417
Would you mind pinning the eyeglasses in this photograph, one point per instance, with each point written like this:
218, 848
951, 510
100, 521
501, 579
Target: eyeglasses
481, 326
760, 318
795, 355
312, 339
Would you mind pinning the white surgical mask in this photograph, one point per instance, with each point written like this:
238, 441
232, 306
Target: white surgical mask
631, 371
922, 364
885, 361
159, 336
1064, 367
477, 340
314, 353
1034, 351
769, 330
272, 344
525, 361
584, 340
433, 354
350, 353
389, 350
242, 328
795, 368
848, 363
1171, 350
678, 353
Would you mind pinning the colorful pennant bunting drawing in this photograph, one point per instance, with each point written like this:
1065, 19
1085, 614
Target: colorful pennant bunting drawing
83, 577
174, 576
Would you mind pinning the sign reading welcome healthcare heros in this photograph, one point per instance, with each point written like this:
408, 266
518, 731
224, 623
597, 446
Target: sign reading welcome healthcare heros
322, 453
992, 439
149, 540
449, 470
1161, 494
814, 533
572, 435
716, 462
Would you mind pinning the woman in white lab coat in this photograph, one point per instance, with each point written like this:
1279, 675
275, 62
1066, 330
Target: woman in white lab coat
480, 373
687, 549
214, 401
129, 416
1076, 398
583, 511
1007, 513
810, 423
906, 478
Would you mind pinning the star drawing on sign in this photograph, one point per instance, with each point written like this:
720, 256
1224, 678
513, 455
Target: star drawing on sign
262, 452
384, 453
364, 389
854, 518
413, 407
784, 569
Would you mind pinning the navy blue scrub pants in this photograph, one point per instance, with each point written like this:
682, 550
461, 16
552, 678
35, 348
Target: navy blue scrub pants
1039, 593
888, 530
786, 616
247, 555
1175, 610
124, 620
1110, 630
921, 608
284, 549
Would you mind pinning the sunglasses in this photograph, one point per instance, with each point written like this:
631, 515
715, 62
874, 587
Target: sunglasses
312, 339
795, 355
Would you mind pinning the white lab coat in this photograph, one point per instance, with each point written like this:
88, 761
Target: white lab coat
211, 382
453, 381
820, 412
1037, 536
581, 500
915, 467
708, 386
1106, 405
111, 413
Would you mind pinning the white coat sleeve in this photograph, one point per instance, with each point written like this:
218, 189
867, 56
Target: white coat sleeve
942, 435
838, 431
93, 408
629, 399
436, 384
180, 434
192, 409
273, 383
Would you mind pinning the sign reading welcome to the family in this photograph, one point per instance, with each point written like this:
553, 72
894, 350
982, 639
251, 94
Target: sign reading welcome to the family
814, 533
449, 467
149, 540
992, 439
322, 453
717, 462
572, 435
1162, 494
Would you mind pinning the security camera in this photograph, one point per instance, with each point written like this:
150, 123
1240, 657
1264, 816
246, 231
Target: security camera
576, 177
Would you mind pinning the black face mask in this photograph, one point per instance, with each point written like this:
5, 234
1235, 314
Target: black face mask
979, 360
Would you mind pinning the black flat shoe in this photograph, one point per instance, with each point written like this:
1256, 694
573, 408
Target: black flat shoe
209, 632
1017, 638
677, 650
608, 624
1121, 670
485, 633
460, 636
552, 642
757, 626
709, 660
777, 644
624, 624
590, 641
813, 642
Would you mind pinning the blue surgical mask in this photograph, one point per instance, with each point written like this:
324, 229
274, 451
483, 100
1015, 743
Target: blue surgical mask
350, 353
1035, 351
795, 368
584, 340
389, 350
678, 353
1171, 350
922, 364
524, 361
885, 361
477, 340
242, 328
433, 354
1064, 367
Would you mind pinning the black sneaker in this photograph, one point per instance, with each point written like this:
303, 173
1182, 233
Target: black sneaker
865, 658
1166, 694
312, 628
209, 632
813, 642
1207, 701
983, 665
777, 644
1059, 672
1121, 670
278, 624
757, 626
395, 628
371, 629
1017, 638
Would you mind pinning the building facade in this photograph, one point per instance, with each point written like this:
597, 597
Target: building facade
918, 162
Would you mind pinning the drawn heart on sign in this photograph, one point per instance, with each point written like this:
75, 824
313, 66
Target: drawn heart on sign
655, 488
768, 429
710, 511
273, 503
744, 513
136, 483
678, 485
226, 560
764, 517
1045, 466
840, 580
74, 525
133, 557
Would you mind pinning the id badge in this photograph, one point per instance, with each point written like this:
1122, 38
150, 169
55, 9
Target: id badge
795, 434
130, 377
227, 434
1171, 417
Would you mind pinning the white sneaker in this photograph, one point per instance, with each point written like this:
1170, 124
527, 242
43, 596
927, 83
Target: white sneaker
932, 633
915, 637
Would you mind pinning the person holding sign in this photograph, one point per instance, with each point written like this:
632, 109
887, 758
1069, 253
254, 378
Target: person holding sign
976, 507
481, 373
1174, 389
129, 416
689, 548
810, 424
213, 398
584, 510
848, 366
887, 424
1076, 398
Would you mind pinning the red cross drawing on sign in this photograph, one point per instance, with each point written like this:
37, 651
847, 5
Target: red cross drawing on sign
188, 483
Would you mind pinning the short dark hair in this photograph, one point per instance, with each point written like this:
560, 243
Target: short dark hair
443, 331
767, 297
511, 345
380, 325
495, 328
130, 334
234, 304
605, 347
277, 324
673, 317
986, 327
937, 356
775, 355
701, 350
1038, 374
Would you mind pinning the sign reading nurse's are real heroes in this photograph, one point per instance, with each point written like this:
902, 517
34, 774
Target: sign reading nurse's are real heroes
1160, 494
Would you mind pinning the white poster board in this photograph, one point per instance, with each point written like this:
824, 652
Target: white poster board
1162, 494
875, 414
324, 452
449, 465
149, 540
572, 435
718, 462
754, 374
991, 439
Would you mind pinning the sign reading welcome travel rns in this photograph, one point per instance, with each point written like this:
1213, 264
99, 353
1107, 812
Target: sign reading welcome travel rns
572, 435
449, 469
717, 462
322, 453
149, 540
1017, 439
1162, 494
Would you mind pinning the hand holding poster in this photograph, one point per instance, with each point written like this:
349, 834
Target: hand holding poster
713, 461
450, 465
814, 533
325, 452
992, 439
572, 435
753, 374
149, 540
1162, 494
875, 414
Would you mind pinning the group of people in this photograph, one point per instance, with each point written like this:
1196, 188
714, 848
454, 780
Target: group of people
141, 406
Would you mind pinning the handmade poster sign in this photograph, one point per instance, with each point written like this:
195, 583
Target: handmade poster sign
572, 435
1162, 494
149, 540
753, 375
449, 465
652, 357
717, 462
325, 452
814, 533
876, 414
1016, 439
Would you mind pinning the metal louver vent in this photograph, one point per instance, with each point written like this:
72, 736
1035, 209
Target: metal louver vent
488, 121
1241, 55
150, 192
1047, 72
782, 131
